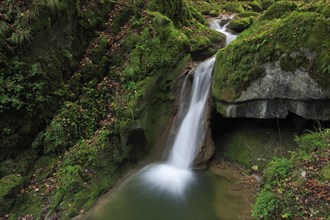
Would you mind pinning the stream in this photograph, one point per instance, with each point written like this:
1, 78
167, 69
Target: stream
171, 189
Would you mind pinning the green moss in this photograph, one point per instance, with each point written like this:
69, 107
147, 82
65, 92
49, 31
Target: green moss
159, 45
202, 39
278, 10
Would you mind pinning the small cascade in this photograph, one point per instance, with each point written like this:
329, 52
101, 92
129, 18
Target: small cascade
174, 175
215, 24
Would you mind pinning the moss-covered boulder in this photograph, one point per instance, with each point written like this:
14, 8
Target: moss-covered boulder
274, 60
240, 24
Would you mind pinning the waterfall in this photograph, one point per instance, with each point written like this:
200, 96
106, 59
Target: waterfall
174, 175
191, 129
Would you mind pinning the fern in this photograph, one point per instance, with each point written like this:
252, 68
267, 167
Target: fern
20, 35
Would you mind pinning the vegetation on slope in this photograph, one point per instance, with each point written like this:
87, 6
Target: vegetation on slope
298, 188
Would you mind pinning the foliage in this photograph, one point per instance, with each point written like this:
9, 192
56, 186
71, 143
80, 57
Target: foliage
277, 170
20, 86
296, 188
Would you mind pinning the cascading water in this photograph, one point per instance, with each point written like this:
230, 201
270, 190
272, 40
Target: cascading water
175, 174
214, 24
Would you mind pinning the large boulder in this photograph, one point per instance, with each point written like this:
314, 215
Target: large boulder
275, 67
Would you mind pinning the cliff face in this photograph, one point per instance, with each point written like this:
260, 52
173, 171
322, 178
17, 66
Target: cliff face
279, 65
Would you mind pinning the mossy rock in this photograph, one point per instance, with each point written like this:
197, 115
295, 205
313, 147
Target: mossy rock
214, 13
278, 10
240, 24
256, 6
235, 7
301, 33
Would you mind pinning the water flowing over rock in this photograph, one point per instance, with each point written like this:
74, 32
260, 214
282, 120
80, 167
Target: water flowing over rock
192, 141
